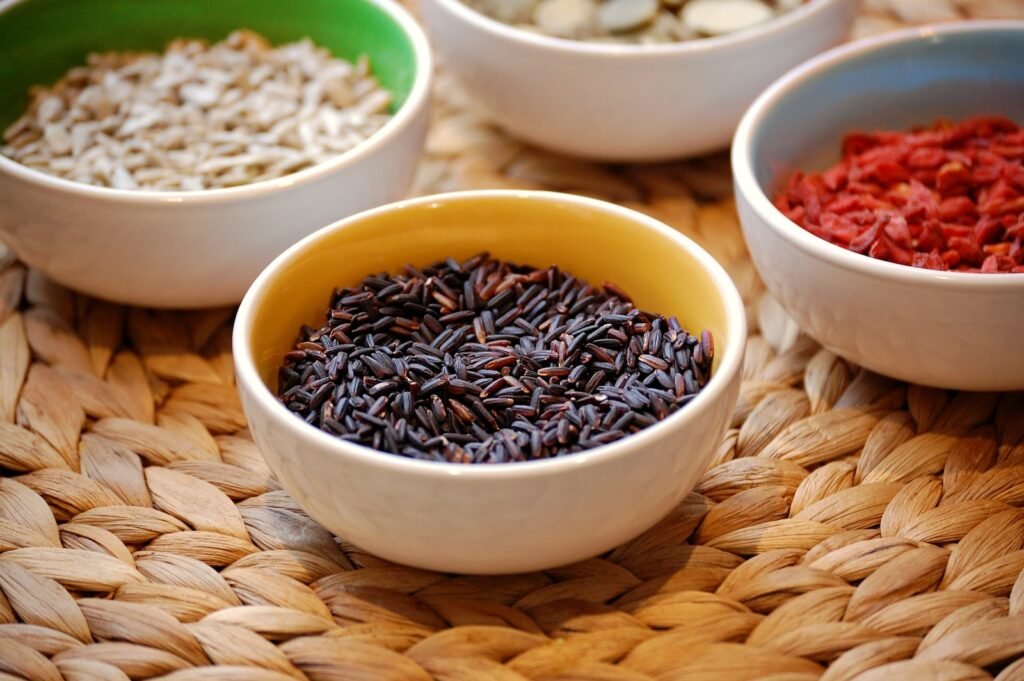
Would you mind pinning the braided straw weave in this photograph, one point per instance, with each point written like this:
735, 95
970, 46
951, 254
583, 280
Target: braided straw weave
850, 527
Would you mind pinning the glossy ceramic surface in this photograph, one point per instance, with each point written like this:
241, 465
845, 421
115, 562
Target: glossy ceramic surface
198, 249
952, 330
625, 102
491, 518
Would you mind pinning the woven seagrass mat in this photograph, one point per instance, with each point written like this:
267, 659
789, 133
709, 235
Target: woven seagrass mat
850, 527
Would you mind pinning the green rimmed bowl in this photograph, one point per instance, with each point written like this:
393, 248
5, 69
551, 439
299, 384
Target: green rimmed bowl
199, 248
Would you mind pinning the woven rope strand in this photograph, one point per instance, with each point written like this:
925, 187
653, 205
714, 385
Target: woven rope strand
849, 527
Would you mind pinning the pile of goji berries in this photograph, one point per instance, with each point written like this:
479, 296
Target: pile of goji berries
948, 197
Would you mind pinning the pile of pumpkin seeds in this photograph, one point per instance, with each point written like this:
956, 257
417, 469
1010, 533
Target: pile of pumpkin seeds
634, 21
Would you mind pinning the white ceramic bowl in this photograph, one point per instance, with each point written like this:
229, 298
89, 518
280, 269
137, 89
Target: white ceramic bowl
626, 102
946, 329
498, 518
204, 248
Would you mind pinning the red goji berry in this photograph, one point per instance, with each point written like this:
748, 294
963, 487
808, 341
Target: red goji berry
926, 157
947, 196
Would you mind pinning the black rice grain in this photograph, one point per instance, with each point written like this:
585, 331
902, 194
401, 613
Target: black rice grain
488, 362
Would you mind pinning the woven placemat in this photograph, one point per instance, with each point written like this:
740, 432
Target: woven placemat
850, 527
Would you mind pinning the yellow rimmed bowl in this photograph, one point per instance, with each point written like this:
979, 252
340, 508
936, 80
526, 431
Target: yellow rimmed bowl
491, 518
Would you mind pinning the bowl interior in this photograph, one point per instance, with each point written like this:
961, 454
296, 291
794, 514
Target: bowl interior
936, 74
41, 39
598, 244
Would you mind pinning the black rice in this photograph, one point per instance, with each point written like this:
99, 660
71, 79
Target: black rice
484, 361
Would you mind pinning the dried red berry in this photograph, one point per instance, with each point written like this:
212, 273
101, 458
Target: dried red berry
945, 197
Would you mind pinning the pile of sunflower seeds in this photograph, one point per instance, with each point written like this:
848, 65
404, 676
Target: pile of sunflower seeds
633, 21
199, 116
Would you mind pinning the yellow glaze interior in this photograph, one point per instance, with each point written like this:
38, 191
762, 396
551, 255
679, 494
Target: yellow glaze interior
595, 245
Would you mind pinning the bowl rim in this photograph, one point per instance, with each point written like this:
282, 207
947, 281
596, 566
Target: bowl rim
766, 29
417, 99
750, 189
717, 388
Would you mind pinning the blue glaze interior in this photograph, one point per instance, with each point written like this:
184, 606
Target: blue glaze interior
899, 86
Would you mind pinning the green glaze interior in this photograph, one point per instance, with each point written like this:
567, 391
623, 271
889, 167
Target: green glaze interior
41, 39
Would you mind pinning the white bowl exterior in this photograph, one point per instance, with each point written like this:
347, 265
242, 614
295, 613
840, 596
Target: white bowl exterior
169, 252
625, 103
949, 330
505, 518
516, 523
